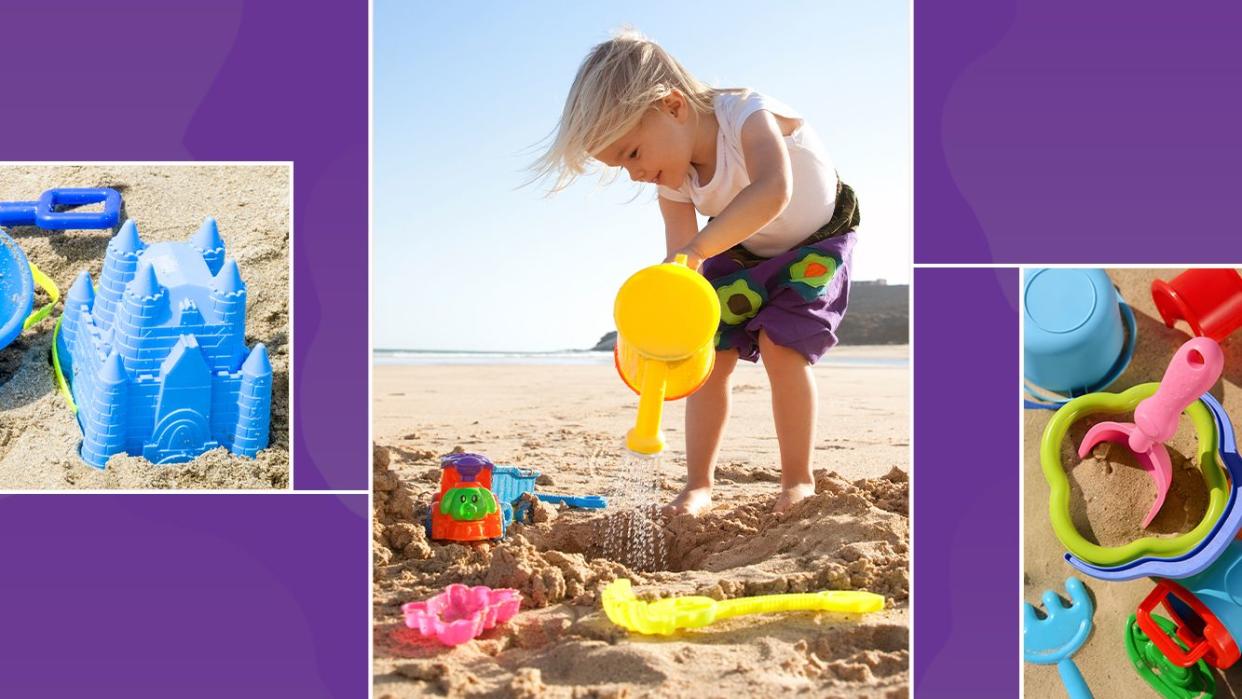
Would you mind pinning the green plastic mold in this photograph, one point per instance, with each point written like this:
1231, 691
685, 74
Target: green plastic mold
1058, 504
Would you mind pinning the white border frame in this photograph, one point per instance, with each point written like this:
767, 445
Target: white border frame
289, 164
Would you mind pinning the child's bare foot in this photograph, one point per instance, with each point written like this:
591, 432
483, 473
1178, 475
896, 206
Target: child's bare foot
691, 501
792, 495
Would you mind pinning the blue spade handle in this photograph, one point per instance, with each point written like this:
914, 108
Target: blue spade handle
589, 502
45, 212
1075, 685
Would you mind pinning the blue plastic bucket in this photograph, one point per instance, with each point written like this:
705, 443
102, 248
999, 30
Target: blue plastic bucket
1074, 333
16, 289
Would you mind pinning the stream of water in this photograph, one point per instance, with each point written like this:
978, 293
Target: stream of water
633, 535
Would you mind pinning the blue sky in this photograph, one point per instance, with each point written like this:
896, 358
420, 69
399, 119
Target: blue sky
464, 258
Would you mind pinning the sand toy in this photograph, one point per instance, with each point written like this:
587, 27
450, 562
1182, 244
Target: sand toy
667, 316
465, 509
479, 500
668, 615
16, 290
1056, 637
49, 211
509, 484
1210, 548
522, 507
1169, 680
584, 502
1079, 334
18, 280
156, 360
462, 613
1194, 369
1059, 501
1209, 300
1206, 609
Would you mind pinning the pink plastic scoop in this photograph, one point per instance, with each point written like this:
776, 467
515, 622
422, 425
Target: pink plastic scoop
1193, 370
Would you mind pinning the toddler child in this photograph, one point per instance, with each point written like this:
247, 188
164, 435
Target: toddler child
776, 247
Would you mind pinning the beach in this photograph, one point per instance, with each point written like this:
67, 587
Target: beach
1110, 496
39, 435
568, 421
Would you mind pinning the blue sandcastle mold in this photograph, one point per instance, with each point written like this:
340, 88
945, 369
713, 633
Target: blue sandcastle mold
156, 356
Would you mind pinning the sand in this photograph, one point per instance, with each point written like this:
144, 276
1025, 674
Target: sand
1110, 496
39, 436
567, 422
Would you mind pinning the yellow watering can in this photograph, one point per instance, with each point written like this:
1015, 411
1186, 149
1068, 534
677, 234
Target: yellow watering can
666, 319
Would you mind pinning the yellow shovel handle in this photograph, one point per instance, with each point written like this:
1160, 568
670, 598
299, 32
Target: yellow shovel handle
43, 282
849, 602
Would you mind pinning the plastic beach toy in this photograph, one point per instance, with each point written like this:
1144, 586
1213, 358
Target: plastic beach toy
1207, 610
1209, 300
462, 613
1058, 503
584, 502
48, 211
16, 289
1169, 680
156, 359
466, 508
1195, 367
1056, 637
665, 616
666, 318
18, 279
1210, 548
1079, 334
478, 500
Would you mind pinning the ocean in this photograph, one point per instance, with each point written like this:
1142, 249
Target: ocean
569, 358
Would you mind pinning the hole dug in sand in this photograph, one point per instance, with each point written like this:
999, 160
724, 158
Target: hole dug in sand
849, 536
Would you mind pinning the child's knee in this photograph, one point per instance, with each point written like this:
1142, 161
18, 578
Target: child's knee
725, 363
779, 357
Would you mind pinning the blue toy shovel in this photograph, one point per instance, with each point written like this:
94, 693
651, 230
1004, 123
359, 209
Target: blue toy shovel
586, 502
1056, 637
49, 213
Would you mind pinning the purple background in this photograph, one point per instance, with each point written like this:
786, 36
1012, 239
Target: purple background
1078, 132
211, 80
184, 596
966, 504
206, 595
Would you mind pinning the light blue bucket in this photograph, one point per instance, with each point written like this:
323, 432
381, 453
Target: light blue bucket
16, 289
1075, 327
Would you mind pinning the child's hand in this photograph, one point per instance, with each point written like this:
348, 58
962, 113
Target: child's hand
693, 259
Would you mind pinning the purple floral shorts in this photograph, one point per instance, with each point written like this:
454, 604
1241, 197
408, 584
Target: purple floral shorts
797, 297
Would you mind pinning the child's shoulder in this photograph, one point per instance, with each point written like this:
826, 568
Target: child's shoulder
734, 107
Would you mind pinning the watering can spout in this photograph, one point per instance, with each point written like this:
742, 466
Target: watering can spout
645, 437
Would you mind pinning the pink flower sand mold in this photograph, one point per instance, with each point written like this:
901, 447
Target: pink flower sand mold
461, 613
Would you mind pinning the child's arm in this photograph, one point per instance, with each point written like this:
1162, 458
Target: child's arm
771, 184
681, 224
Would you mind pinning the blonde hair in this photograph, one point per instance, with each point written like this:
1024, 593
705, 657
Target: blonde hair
616, 84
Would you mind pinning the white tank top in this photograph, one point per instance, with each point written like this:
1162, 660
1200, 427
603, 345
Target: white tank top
814, 178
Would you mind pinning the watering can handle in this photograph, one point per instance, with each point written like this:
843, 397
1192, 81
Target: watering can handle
1075, 685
